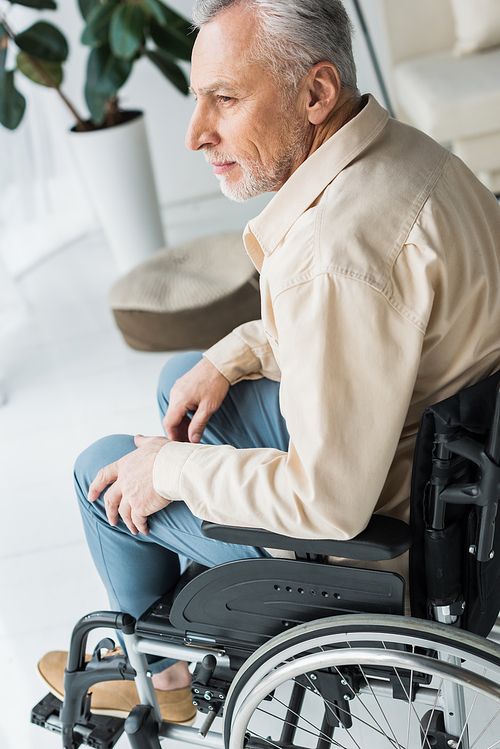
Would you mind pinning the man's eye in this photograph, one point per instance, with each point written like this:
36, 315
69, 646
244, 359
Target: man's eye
225, 99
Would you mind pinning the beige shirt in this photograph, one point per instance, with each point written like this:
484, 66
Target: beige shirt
380, 284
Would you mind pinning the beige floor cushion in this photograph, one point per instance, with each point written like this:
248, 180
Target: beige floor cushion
188, 296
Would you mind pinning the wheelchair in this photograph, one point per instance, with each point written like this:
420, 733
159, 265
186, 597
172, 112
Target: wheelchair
299, 653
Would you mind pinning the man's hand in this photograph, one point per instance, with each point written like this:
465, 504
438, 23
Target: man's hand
131, 495
201, 390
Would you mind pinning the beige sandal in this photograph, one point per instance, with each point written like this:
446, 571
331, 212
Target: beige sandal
117, 698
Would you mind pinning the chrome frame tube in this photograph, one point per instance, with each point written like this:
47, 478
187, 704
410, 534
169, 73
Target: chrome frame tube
453, 702
143, 680
178, 652
423, 695
192, 736
452, 695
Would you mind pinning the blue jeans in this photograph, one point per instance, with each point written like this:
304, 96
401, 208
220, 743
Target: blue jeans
137, 570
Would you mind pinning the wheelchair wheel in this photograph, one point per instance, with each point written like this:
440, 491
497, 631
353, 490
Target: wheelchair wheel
359, 682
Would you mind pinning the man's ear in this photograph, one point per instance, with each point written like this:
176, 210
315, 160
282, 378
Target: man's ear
323, 91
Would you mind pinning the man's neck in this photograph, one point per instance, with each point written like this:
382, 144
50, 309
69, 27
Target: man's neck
346, 108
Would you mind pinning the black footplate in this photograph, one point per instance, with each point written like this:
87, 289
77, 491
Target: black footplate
100, 731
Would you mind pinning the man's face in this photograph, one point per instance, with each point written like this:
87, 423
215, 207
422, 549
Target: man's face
253, 138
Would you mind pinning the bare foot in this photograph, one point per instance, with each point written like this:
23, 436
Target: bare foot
174, 677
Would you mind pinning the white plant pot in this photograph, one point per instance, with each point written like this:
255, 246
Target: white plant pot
115, 166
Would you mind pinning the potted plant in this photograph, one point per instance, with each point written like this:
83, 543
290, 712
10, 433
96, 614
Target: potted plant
111, 145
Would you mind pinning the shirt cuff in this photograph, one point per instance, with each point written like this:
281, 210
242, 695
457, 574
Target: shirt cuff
234, 359
168, 466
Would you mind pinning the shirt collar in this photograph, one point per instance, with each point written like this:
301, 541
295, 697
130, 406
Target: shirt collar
264, 233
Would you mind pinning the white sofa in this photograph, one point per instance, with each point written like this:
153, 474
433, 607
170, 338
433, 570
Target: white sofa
455, 99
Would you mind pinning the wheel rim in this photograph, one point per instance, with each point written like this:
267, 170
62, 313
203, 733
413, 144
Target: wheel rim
478, 679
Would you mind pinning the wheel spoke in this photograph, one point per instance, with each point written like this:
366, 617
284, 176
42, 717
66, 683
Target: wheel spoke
466, 724
411, 707
382, 711
267, 739
381, 731
411, 700
332, 707
316, 733
410, 711
485, 729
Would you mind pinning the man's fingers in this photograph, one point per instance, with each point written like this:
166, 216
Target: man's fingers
182, 430
198, 424
140, 522
117, 507
173, 419
104, 478
127, 485
126, 516
201, 390
176, 425
112, 500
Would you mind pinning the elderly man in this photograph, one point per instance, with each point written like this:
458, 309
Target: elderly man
380, 284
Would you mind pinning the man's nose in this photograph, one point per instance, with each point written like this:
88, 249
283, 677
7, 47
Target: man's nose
200, 132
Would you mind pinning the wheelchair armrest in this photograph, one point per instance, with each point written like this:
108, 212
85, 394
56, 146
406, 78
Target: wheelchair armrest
383, 538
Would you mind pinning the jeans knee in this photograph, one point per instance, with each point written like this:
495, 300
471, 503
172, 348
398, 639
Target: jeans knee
174, 368
100, 454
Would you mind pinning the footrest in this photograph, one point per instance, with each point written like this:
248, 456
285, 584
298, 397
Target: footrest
100, 731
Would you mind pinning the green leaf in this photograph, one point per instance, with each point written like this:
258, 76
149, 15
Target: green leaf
97, 105
45, 41
40, 4
30, 67
172, 40
12, 103
126, 31
176, 21
96, 31
86, 6
105, 75
157, 10
4, 43
169, 68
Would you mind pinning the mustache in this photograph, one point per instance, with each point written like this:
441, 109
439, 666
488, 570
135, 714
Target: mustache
217, 157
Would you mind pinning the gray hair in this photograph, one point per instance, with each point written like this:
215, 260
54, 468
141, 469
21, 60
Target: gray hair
296, 34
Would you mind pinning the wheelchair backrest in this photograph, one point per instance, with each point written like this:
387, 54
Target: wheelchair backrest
455, 557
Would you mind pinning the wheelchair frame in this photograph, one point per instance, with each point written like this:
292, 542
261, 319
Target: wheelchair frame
307, 630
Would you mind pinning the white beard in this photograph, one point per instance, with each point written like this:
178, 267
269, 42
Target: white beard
258, 178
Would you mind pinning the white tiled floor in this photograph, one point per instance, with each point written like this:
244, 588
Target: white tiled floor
69, 379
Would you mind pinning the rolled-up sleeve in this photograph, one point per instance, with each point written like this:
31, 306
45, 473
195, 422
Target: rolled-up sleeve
348, 363
244, 354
